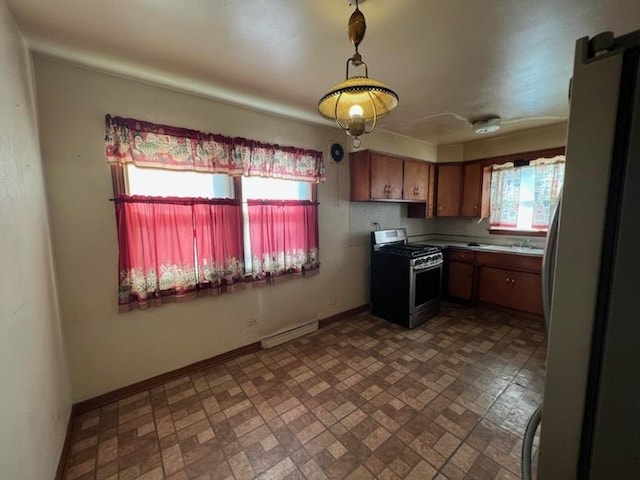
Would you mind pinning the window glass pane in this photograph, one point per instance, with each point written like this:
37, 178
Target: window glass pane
527, 195
170, 183
525, 207
259, 188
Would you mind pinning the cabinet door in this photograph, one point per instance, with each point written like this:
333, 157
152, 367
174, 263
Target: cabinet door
359, 176
471, 190
424, 208
386, 177
526, 292
448, 196
431, 195
460, 280
495, 286
416, 180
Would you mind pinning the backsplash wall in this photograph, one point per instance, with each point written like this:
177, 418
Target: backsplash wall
475, 231
362, 215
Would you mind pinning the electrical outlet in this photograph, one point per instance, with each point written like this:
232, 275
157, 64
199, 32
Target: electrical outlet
252, 322
332, 301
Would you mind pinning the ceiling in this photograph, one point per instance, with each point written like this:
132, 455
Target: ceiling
451, 62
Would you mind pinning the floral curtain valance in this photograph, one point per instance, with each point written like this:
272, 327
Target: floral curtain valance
159, 146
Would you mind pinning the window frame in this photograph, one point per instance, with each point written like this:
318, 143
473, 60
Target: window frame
119, 179
519, 160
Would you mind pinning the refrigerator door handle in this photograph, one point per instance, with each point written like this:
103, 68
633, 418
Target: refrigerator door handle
548, 260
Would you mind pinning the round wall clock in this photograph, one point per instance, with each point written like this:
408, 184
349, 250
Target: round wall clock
337, 152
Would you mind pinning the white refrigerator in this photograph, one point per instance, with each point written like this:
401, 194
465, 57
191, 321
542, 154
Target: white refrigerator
591, 414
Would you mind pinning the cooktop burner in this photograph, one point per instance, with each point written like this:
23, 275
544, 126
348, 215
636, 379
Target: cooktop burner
409, 250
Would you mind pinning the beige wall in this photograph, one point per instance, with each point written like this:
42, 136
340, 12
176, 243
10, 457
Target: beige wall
36, 399
522, 141
108, 350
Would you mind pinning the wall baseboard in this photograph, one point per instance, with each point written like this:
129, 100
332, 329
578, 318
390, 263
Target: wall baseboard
66, 446
149, 383
123, 392
325, 322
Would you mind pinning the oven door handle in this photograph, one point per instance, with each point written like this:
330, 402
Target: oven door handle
419, 268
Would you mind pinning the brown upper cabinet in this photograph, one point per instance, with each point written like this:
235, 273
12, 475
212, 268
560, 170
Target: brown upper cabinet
416, 180
448, 190
471, 190
381, 177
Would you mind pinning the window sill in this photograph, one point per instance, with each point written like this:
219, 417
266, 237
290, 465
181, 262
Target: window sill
518, 233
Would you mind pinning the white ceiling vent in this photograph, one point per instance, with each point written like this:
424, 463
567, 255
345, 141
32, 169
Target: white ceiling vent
487, 125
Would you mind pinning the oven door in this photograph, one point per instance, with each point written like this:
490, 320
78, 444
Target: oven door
425, 287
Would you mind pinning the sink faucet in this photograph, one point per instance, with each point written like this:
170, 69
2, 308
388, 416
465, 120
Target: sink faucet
525, 243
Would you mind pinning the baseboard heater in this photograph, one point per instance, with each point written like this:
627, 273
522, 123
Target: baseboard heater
288, 335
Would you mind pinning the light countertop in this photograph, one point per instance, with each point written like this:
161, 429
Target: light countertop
534, 252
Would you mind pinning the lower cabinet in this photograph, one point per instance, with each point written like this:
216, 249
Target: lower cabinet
506, 288
526, 293
460, 280
502, 279
460, 273
495, 286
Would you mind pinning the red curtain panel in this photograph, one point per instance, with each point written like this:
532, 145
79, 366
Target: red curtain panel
218, 234
284, 237
171, 247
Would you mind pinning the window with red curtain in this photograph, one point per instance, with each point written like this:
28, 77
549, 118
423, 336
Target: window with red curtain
178, 239
173, 249
284, 237
522, 197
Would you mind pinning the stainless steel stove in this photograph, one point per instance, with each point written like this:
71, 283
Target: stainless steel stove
406, 279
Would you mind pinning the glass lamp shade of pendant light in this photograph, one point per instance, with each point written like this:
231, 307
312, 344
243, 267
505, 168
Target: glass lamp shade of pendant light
357, 102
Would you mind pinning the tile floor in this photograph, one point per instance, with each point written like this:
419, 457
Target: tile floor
362, 398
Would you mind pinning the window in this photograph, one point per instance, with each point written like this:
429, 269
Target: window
169, 183
522, 197
259, 188
189, 235
190, 224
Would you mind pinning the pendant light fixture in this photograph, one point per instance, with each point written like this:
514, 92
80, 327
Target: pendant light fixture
358, 102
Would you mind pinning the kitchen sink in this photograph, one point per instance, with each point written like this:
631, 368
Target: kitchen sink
509, 249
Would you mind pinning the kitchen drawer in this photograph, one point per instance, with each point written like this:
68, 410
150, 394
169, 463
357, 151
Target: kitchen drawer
457, 255
510, 261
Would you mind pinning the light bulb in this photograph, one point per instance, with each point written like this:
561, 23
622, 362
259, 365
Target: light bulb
356, 111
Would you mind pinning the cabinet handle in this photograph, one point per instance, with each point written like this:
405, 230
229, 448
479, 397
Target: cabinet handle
475, 207
513, 281
506, 280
